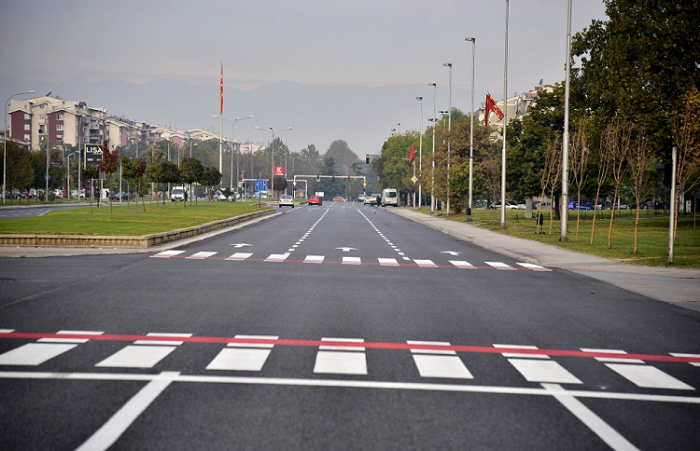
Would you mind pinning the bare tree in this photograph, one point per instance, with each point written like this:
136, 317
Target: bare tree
619, 149
642, 163
687, 137
556, 170
551, 155
603, 169
579, 153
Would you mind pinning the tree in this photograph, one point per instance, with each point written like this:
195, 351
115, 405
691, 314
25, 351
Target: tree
618, 140
91, 173
170, 173
191, 170
687, 138
639, 63
211, 177
109, 165
642, 165
579, 153
341, 154
130, 174
604, 163
19, 171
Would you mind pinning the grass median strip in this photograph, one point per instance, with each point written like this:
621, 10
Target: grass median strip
155, 219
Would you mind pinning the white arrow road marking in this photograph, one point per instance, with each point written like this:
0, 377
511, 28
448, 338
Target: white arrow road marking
451, 253
346, 249
240, 245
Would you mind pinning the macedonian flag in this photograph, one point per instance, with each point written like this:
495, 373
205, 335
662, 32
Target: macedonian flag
221, 86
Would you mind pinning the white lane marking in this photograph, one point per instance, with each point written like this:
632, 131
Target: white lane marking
351, 384
425, 263
533, 267
70, 340
161, 342
387, 262
6, 331
314, 259
519, 355
240, 245
405, 258
137, 356
110, 432
453, 253
338, 359
167, 254
461, 264
240, 359
277, 257
544, 371
33, 354
201, 255
646, 376
352, 261
590, 419
687, 355
499, 265
441, 366
431, 351
239, 256
611, 359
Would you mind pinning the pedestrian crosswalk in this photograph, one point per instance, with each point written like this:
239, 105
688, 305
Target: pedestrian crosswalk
348, 260
349, 356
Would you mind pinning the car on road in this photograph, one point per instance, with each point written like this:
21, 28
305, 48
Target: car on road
286, 201
338, 199
579, 206
371, 200
390, 197
315, 200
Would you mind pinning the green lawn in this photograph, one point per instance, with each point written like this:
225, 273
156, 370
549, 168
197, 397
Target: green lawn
127, 221
652, 241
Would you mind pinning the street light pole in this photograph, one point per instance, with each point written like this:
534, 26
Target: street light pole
449, 138
564, 224
4, 155
420, 153
432, 169
505, 123
471, 136
233, 145
272, 155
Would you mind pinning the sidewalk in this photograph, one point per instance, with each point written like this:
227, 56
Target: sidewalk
675, 285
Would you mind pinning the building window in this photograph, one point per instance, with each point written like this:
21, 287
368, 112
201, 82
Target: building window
59, 137
26, 137
27, 127
26, 117
42, 117
59, 127
42, 106
59, 117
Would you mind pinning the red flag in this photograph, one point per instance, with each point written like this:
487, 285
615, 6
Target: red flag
491, 107
221, 101
412, 156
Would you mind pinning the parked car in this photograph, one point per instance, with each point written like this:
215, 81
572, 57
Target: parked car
510, 205
390, 197
371, 200
286, 201
579, 206
315, 200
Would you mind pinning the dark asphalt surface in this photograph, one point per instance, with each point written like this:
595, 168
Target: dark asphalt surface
289, 405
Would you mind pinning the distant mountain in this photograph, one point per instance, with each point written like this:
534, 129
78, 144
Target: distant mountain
362, 116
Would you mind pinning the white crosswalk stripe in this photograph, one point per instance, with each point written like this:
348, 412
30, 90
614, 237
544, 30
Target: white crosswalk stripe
425, 263
387, 262
499, 265
277, 257
143, 353
688, 355
243, 356
647, 376
461, 264
439, 363
202, 255
239, 256
334, 359
352, 261
314, 259
533, 267
168, 254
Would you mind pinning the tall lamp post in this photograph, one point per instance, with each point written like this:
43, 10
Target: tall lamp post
4, 155
471, 136
564, 224
272, 132
449, 138
420, 153
505, 123
432, 169
233, 124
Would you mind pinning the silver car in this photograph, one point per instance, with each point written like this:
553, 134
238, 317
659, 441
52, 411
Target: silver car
286, 201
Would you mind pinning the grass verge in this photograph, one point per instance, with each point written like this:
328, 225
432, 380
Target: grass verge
127, 221
652, 240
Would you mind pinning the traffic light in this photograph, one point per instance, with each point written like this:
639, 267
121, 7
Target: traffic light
367, 159
318, 178
348, 177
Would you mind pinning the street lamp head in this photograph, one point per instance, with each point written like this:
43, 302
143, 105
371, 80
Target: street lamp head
433, 84
257, 128
470, 39
249, 117
447, 64
215, 115
30, 92
289, 128
419, 98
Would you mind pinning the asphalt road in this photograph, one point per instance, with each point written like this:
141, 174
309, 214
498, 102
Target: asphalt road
337, 327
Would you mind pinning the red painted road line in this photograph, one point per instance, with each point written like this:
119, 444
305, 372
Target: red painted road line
371, 345
413, 265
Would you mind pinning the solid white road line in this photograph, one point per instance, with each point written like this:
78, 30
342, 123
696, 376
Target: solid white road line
110, 432
167, 254
239, 256
34, 353
646, 376
544, 371
137, 356
590, 419
350, 384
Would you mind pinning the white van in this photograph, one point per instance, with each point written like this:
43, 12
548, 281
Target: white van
177, 194
390, 197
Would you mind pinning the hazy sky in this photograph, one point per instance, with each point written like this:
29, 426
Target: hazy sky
359, 42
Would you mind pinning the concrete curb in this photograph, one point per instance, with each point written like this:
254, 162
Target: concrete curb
143, 242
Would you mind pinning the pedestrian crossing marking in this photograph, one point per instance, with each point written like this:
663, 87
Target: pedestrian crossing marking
137, 356
239, 256
646, 376
202, 255
334, 359
461, 264
611, 359
499, 265
314, 259
33, 354
439, 363
521, 355
168, 254
277, 257
351, 260
688, 355
533, 267
425, 263
387, 262
544, 371
243, 356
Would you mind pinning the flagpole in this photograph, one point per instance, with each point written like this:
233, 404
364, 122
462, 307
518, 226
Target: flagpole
221, 120
505, 123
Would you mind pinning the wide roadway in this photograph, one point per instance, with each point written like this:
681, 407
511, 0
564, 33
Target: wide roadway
416, 320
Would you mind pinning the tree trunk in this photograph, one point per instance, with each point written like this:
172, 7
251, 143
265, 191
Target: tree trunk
612, 217
595, 212
636, 229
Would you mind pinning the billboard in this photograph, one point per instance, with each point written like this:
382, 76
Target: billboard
279, 171
93, 155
